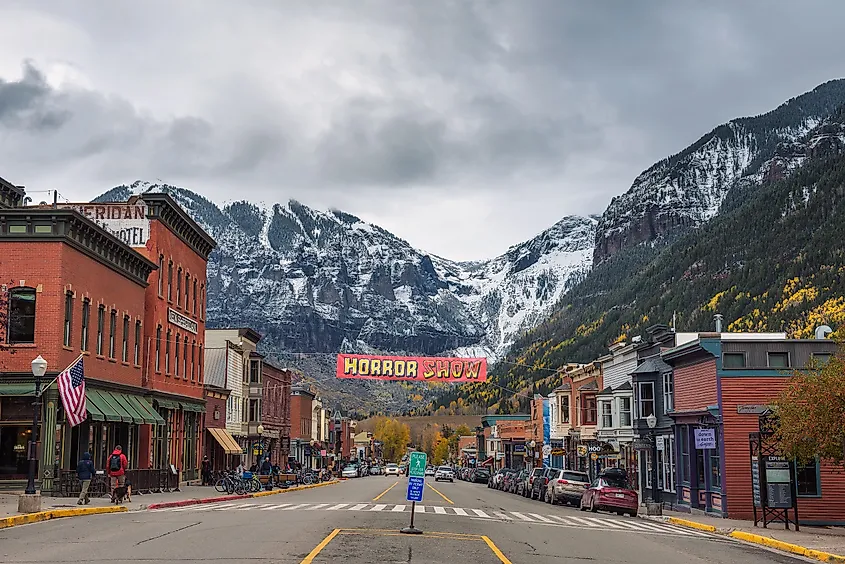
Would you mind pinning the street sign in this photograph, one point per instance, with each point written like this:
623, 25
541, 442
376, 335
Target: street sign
416, 465
547, 450
415, 488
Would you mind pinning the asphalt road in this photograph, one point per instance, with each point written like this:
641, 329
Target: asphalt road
357, 521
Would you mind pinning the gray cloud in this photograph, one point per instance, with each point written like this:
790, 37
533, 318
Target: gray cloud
496, 116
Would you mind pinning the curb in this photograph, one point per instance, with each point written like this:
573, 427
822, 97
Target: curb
753, 539
185, 502
15, 520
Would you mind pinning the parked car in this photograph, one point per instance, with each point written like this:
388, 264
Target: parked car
349, 471
496, 480
508, 479
481, 475
540, 483
611, 492
375, 470
566, 486
444, 473
391, 469
529, 484
517, 485
429, 471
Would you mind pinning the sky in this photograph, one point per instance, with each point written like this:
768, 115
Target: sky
463, 127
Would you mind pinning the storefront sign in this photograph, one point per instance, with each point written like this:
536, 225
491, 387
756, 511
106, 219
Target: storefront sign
421, 369
778, 482
705, 439
751, 409
661, 443
558, 452
128, 223
582, 450
594, 448
180, 320
519, 449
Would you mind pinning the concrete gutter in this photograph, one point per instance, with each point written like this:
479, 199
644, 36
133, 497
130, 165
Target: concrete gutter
185, 502
15, 520
753, 539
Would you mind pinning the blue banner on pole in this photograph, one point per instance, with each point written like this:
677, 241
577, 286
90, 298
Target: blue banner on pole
415, 488
547, 461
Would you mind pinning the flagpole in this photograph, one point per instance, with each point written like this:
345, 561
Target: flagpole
44, 388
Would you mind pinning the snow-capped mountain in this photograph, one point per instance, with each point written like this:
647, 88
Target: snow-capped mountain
321, 282
686, 190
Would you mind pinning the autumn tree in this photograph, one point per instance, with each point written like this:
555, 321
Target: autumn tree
811, 412
461, 431
394, 435
430, 436
441, 452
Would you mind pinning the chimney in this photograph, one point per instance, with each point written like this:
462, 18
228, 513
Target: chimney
718, 319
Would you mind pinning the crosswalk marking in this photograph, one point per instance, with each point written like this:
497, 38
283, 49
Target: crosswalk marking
565, 519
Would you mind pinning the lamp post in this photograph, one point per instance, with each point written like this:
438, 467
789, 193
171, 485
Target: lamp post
39, 368
531, 444
260, 431
655, 508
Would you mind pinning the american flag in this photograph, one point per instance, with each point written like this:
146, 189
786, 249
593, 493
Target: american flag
72, 391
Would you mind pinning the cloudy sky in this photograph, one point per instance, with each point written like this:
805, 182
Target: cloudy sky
462, 126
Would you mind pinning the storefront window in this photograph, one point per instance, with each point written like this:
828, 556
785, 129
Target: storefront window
684, 470
13, 441
699, 467
669, 463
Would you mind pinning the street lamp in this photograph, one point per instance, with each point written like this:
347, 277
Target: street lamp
260, 431
651, 420
39, 368
531, 445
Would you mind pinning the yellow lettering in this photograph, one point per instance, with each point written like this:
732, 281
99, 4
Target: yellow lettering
412, 369
364, 366
375, 367
428, 371
473, 369
350, 365
442, 369
457, 368
387, 367
399, 367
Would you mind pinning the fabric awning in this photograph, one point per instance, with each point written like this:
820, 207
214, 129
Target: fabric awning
93, 413
488, 461
225, 440
143, 406
109, 412
7, 389
195, 407
124, 402
166, 403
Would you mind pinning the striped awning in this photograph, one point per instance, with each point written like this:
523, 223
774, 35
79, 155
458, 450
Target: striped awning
225, 440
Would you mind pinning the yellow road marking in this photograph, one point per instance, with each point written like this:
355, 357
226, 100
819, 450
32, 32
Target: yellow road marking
441, 495
496, 550
311, 555
378, 497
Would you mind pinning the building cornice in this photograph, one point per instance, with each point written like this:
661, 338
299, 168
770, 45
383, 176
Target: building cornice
11, 196
72, 228
163, 208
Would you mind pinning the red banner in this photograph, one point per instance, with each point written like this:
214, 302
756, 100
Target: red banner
413, 368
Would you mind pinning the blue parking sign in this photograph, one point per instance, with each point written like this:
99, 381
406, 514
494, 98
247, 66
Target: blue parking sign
415, 488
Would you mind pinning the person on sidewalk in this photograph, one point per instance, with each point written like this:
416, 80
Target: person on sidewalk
117, 465
206, 471
85, 471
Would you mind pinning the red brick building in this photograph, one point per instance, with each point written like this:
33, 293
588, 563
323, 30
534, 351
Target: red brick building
68, 289
301, 399
276, 409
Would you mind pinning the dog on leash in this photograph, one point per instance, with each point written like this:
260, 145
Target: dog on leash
118, 495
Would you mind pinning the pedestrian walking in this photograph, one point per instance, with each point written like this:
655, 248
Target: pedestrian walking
85, 471
117, 466
206, 471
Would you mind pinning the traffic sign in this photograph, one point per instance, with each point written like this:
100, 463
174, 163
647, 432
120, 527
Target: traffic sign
415, 488
416, 465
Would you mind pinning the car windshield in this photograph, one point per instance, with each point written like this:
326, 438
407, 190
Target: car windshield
575, 477
350, 468
615, 482
392, 466
445, 469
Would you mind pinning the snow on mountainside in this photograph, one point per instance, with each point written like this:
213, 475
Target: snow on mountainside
322, 282
686, 190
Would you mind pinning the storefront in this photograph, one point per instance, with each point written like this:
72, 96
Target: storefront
15, 429
176, 441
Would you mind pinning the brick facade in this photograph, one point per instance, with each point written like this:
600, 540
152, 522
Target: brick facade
276, 408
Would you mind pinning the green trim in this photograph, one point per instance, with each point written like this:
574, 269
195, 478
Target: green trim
108, 412
7, 389
818, 481
124, 402
167, 404
144, 407
752, 372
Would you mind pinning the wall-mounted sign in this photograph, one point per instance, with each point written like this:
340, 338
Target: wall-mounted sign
705, 439
558, 452
751, 409
180, 320
582, 450
661, 443
128, 223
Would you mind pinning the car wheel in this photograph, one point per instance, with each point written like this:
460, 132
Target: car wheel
633, 513
593, 508
581, 505
553, 499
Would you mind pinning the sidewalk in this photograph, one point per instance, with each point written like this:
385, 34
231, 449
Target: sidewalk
820, 543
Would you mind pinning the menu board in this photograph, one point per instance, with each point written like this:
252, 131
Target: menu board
755, 482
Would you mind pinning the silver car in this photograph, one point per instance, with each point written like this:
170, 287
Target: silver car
444, 473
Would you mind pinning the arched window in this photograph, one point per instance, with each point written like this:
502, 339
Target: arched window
21, 315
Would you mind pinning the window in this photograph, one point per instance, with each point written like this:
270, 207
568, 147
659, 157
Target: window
715, 465
112, 331
158, 349
137, 355
195, 296
86, 314
668, 392
624, 412
170, 281
193, 361
254, 414
167, 353
201, 361
202, 301
176, 363
668, 463
733, 360
684, 470
187, 289
588, 410
179, 287
185, 359
606, 415
124, 351
821, 358
101, 322
254, 371
68, 317
21, 315
808, 478
645, 399
778, 359
564, 409
161, 275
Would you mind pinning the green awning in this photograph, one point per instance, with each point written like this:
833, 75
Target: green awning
195, 407
94, 413
94, 398
7, 389
167, 404
143, 407
123, 401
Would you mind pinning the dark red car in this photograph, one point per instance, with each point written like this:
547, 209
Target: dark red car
611, 492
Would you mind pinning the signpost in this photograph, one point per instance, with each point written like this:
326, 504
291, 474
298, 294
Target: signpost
416, 484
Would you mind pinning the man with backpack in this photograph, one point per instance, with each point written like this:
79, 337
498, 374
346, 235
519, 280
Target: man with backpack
117, 465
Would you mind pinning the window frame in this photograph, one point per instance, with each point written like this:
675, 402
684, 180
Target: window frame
178, 342
136, 355
669, 467
187, 289
179, 287
124, 350
589, 407
668, 384
818, 474
629, 411
86, 322
14, 294
158, 349
101, 328
640, 413
606, 405
67, 333
195, 295
170, 281
185, 358
161, 276
112, 331
826, 356
778, 354
167, 352
734, 354
564, 409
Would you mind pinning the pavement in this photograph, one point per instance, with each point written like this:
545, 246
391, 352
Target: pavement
358, 521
